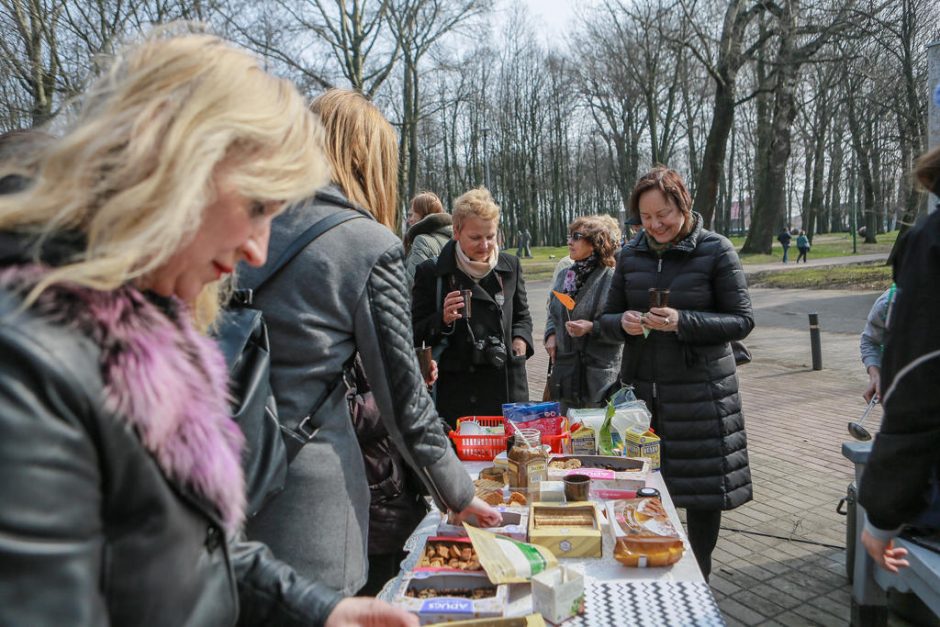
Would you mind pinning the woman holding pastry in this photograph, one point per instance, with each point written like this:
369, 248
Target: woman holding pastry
678, 297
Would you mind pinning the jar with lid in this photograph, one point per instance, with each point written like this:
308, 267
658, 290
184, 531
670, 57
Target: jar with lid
528, 461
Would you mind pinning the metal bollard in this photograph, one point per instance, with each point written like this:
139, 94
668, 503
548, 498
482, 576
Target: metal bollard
814, 340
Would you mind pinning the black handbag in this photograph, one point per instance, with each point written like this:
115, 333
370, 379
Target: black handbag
567, 378
242, 335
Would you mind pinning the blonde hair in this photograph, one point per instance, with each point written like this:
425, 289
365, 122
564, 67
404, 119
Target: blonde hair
603, 233
362, 151
477, 203
134, 171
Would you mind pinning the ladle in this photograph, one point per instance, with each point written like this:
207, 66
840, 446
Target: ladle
856, 430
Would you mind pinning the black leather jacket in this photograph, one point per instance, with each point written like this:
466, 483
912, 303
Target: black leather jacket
91, 531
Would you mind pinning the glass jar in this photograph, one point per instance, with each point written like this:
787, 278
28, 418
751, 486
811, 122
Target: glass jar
528, 461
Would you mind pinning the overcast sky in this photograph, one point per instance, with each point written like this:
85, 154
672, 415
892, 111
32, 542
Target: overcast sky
552, 18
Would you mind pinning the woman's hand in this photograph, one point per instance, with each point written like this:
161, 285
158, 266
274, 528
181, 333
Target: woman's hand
632, 322
662, 319
453, 303
433, 375
577, 328
551, 345
884, 553
366, 612
486, 515
518, 346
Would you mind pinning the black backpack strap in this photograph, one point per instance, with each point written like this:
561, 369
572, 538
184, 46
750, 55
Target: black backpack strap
305, 239
298, 433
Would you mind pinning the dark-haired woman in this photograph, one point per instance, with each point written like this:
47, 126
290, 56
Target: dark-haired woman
679, 356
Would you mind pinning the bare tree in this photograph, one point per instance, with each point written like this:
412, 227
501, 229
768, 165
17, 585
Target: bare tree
798, 35
419, 25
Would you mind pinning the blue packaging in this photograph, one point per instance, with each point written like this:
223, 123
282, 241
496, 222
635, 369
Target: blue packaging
524, 412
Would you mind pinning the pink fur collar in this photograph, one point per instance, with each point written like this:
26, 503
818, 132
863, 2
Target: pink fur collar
162, 377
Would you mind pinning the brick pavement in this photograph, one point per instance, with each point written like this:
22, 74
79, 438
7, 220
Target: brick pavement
780, 559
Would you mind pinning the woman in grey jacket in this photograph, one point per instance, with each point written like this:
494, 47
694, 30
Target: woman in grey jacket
346, 292
586, 364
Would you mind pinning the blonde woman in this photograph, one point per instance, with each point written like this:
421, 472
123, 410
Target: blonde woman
343, 294
483, 364
586, 364
120, 470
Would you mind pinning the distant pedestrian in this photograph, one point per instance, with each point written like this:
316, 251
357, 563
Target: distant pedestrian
802, 245
784, 239
524, 240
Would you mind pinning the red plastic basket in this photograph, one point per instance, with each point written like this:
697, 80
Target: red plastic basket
484, 448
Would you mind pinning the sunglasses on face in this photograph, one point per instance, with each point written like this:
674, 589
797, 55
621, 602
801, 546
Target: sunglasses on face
577, 236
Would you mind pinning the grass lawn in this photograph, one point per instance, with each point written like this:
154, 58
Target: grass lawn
855, 277
543, 261
544, 258
824, 246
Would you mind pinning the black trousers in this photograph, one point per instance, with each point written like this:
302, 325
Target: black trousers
703, 526
381, 569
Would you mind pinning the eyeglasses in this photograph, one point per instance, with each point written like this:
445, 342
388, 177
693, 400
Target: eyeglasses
576, 236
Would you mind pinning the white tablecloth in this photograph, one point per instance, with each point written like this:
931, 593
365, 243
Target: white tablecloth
608, 584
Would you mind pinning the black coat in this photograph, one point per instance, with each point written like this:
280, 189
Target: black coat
688, 379
465, 388
905, 457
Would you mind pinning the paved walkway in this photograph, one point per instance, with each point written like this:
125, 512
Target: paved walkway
824, 262
780, 559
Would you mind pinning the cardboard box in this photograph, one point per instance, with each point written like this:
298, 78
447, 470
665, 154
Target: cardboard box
558, 594
605, 471
584, 441
515, 524
643, 445
447, 608
566, 540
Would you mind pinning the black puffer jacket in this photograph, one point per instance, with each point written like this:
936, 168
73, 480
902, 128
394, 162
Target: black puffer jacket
465, 388
688, 379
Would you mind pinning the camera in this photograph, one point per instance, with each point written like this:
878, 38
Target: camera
489, 351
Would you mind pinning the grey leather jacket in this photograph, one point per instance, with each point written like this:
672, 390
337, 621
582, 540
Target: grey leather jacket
344, 293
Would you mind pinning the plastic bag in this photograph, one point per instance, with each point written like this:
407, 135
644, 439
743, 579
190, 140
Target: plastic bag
630, 416
509, 561
623, 396
524, 412
643, 534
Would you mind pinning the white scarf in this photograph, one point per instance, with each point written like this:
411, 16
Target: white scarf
476, 270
